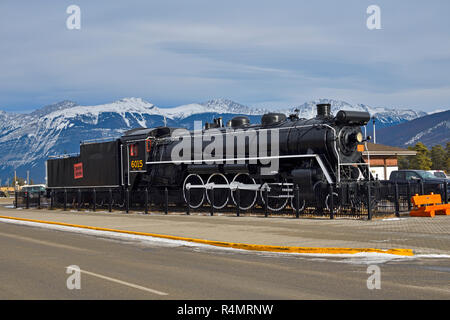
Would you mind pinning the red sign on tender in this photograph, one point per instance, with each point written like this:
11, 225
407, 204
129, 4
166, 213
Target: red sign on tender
78, 170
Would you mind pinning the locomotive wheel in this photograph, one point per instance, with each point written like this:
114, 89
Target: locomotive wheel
247, 197
197, 195
320, 194
221, 195
278, 195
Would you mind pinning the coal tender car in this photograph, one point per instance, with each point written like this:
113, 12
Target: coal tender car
234, 164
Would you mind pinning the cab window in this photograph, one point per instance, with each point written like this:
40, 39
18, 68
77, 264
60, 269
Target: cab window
410, 175
440, 175
133, 150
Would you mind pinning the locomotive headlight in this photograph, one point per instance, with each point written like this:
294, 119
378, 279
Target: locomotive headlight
349, 139
354, 137
359, 137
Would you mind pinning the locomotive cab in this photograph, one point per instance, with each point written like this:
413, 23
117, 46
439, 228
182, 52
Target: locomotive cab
139, 147
134, 154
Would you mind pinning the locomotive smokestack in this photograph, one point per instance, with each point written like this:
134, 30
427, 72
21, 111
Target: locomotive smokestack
323, 110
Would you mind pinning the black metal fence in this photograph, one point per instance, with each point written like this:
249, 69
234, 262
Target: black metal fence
27, 200
360, 200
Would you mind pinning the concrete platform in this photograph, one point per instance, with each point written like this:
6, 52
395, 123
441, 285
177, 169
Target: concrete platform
423, 235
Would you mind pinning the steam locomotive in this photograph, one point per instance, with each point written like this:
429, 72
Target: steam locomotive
237, 163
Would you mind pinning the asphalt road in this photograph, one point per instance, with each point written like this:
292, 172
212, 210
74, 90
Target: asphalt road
34, 261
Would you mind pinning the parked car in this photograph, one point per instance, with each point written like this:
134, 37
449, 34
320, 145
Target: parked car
33, 190
438, 173
430, 182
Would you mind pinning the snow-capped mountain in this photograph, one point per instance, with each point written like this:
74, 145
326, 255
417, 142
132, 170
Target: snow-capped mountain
430, 130
217, 106
27, 140
385, 117
66, 104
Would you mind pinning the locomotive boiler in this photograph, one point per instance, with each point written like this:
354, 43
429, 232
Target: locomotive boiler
238, 163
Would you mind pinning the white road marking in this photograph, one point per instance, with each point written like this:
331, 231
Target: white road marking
132, 285
45, 243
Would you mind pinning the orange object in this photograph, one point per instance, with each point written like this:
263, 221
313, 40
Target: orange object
360, 148
428, 205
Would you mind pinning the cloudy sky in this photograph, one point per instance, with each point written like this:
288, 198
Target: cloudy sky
256, 52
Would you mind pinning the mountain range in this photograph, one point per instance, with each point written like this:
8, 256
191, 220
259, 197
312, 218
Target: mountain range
431, 129
27, 140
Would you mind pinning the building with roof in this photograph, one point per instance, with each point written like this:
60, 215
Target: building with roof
384, 159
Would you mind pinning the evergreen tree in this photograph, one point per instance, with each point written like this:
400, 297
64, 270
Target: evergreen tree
404, 162
438, 157
422, 159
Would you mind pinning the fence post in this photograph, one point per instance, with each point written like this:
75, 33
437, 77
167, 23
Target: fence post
266, 203
110, 200
127, 200
146, 200
212, 201
408, 194
397, 200
331, 201
445, 192
188, 200
369, 207
297, 201
39, 200
79, 200
422, 188
166, 202
28, 200
94, 200
52, 199
65, 199
238, 201
17, 197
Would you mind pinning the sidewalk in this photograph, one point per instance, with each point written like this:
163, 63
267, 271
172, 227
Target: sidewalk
423, 235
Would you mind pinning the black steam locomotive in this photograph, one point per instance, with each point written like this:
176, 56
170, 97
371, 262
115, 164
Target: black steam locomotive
234, 164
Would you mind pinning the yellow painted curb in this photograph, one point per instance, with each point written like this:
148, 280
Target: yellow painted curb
244, 246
